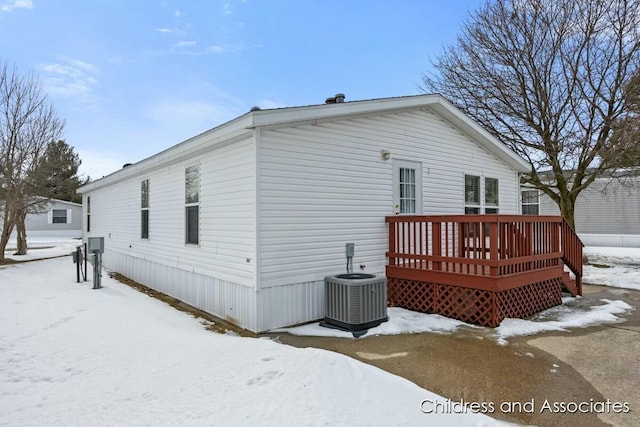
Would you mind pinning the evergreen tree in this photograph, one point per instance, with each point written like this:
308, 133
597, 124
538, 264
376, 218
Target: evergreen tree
57, 174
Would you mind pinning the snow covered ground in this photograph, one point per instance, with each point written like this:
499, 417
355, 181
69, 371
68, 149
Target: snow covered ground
43, 247
618, 267
70, 355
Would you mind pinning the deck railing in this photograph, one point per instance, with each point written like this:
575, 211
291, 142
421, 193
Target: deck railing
482, 245
572, 254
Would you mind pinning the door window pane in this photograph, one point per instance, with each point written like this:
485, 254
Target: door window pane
407, 190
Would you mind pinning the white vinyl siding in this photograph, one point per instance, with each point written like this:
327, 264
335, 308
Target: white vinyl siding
324, 185
226, 247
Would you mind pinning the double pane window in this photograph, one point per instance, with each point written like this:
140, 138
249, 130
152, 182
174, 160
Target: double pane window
192, 204
59, 216
144, 209
530, 202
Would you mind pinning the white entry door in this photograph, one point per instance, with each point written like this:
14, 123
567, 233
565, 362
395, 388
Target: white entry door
407, 187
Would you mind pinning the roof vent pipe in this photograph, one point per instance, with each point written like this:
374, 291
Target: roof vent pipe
255, 108
330, 100
339, 98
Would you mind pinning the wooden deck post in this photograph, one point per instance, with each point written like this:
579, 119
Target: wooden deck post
461, 236
392, 243
436, 244
493, 248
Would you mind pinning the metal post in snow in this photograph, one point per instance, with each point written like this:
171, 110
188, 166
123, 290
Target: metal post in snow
78, 261
97, 270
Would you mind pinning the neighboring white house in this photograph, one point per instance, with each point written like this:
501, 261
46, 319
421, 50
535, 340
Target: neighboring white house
607, 213
61, 220
245, 220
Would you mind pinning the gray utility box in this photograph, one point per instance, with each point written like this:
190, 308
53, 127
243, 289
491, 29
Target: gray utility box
95, 244
355, 301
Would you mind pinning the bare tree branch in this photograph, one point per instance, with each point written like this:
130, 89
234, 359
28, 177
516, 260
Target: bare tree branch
547, 78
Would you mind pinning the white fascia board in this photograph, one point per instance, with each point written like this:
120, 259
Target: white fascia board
51, 200
66, 202
238, 128
338, 110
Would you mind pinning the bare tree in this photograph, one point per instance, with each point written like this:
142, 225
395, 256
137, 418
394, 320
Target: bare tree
28, 123
624, 147
547, 78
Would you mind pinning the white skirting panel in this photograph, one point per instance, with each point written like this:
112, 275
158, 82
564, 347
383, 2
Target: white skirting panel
287, 305
611, 240
229, 301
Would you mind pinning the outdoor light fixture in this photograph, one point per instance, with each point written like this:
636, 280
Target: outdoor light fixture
385, 154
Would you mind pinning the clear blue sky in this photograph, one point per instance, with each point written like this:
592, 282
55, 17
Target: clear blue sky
133, 77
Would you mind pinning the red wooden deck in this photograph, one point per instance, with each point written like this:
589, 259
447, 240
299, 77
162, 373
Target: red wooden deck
482, 268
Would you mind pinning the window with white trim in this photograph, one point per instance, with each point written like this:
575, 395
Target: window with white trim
471, 194
192, 204
491, 193
144, 209
530, 202
59, 216
88, 214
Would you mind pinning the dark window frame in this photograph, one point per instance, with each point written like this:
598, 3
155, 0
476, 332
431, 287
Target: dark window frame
59, 219
192, 205
144, 209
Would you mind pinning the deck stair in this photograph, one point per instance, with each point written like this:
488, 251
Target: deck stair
569, 284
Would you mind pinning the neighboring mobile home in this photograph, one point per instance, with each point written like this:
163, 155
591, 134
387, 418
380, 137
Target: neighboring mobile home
61, 219
245, 220
607, 213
